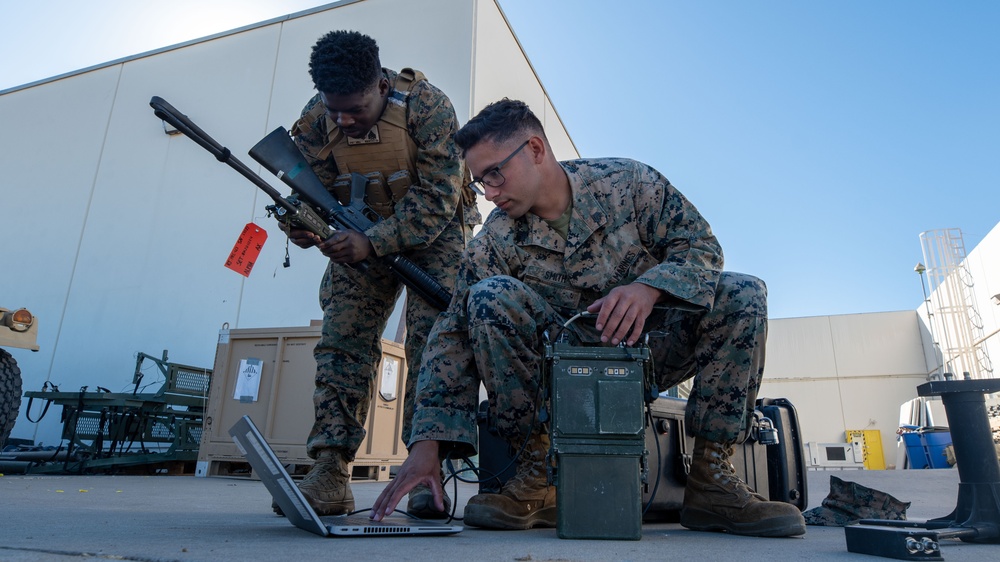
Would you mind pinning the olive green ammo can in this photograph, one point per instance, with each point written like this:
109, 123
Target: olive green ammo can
598, 438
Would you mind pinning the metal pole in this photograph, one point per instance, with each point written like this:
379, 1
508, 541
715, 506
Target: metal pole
920, 269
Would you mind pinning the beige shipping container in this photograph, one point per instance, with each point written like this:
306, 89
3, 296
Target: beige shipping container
268, 374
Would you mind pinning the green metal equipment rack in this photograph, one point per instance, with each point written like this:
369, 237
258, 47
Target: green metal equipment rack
106, 430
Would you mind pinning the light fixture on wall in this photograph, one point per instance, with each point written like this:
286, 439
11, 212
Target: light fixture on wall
996, 299
920, 269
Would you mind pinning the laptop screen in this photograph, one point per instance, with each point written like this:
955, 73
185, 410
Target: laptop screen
293, 504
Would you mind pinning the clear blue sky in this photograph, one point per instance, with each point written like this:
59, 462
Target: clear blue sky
819, 138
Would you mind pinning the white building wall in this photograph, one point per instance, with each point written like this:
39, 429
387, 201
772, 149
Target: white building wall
122, 230
846, 372
984, 263
494, 67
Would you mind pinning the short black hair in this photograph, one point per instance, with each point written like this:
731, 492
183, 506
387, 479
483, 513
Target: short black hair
344, 63
499, 122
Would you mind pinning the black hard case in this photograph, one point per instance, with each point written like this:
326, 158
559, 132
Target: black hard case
775, 471
495, 454
786, 469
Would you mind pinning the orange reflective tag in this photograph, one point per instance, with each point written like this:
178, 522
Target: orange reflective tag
246, 250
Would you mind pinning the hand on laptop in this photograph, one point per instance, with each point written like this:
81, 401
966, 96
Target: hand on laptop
422, 466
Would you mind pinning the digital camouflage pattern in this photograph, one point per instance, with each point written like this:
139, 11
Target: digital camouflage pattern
356, 306
431, 203
519, 278
850, 502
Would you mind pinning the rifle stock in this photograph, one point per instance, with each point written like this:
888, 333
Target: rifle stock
278, 154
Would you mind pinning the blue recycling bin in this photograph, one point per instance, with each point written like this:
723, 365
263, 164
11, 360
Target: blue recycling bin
934, 442
915, 453
925, 447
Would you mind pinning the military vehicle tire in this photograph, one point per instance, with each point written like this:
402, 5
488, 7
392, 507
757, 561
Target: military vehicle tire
10, 395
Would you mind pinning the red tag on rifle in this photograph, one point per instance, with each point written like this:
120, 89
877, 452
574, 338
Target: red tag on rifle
246, 250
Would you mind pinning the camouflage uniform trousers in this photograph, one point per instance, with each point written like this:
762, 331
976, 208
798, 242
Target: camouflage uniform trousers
356, 308
722, 349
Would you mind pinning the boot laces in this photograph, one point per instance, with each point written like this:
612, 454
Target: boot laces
530, 472
724, 472
326, 474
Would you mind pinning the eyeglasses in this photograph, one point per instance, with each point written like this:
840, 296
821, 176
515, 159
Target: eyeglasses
493, 177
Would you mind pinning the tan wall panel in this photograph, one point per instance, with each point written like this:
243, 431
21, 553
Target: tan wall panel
817, 403
886, 343
800, 347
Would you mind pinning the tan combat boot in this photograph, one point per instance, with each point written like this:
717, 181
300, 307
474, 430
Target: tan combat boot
525, 501
327, 486
715, 499
421, 503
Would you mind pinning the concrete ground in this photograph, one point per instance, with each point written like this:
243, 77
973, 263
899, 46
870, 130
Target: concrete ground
184, 518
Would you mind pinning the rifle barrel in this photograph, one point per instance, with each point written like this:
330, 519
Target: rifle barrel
169, 113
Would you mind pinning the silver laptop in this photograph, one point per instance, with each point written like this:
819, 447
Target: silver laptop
288, 497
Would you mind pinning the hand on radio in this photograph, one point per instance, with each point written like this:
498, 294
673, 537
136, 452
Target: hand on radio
623, 311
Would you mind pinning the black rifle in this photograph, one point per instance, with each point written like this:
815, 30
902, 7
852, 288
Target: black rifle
322, 214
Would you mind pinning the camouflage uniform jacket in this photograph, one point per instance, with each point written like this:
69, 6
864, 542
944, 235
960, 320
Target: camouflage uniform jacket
628, 224
431, 202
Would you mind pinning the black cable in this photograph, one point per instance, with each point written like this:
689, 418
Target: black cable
659, 458
454, 485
